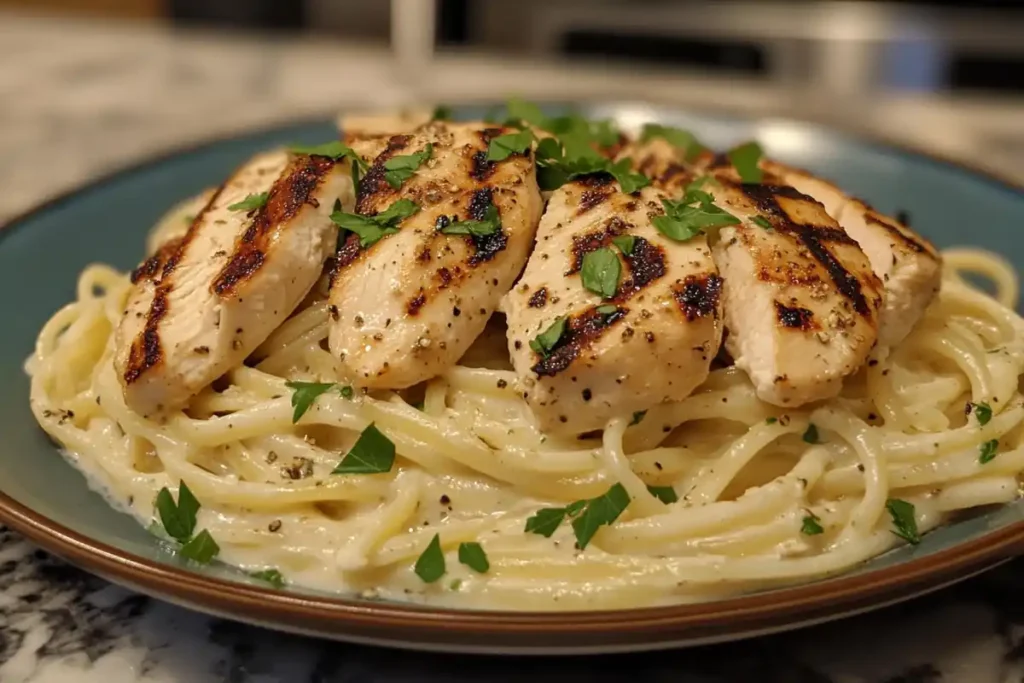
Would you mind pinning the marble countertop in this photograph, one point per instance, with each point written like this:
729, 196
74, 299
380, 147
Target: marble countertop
82, 99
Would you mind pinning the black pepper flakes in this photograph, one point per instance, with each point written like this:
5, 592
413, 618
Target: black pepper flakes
587, 395
274, 526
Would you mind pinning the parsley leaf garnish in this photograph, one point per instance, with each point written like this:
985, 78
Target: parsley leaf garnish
601, 271
988, 451
607, 309
745, 158
271, 576
690, 216
677, 137
638, 417
560, 160
625, 243
372, 453
371, 229
347, 392
762, 222
442, 112
398, 169
982, 411
430, 565
504, 146
546, 341
903, 520
811, 525
202, 548
545, 521
473, 556
179, 519
251, 201
598, 512
490, 224
771, 420
666, 494
304, 394
527, 112
811, 435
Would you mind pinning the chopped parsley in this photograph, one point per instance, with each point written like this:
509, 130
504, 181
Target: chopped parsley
347, 392
982, 411
666, 494
545, 521
903, 521
811, 525
638, 417
372, 453
202, 548
442, 112
179, 521
587, 515
744, 159
545, 342
771, 420
473, 556
571, 156
304, 394
691, 216
811, 435
335, 149
677, 137
601, 272
762, 222
504, 146
490, 224
988, 451
371, 229
271, 576
521, 111
251, 201
607, 309
430, 565
625, 243
398, 169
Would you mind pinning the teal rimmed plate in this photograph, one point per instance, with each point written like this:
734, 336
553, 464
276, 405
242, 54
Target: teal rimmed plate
45, 498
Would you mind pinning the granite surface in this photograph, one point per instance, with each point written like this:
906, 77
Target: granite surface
80, 100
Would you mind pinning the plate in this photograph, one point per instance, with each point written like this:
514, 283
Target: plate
45, 498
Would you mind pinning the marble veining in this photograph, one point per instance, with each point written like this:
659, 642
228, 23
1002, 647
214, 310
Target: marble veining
97, 99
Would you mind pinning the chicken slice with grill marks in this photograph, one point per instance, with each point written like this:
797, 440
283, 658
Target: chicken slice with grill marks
910, 267
653, 341
407, 307
801, 301
207, 298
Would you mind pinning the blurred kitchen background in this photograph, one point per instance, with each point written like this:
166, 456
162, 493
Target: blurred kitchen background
104, 82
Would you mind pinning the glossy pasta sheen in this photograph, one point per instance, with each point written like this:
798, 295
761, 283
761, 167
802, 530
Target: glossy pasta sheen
473, 466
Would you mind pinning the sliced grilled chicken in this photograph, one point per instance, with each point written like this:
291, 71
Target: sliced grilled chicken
206, 299
407, 307
909, 266
175, 223
801, 301
381, 124
653, 341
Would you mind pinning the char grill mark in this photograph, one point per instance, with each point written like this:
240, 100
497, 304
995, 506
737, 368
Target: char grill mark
486, 247
416, 304
812, 237
592, 241
373, 183
900, 235
154, 264
795, 317
591, 198
146, 351
482, 168
698, 295
581, 332
539, 298
286, 199
646, 264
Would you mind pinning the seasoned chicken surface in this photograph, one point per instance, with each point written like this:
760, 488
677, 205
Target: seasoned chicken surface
910, 267
207, 298
652, 341
801, 301
408, 306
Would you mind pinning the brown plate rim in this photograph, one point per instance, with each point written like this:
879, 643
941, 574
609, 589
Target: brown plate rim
102, 558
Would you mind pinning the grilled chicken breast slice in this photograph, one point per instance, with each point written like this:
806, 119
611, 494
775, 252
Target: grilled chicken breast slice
206, 299
652, 342
910, 267
801, 300
407, 307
